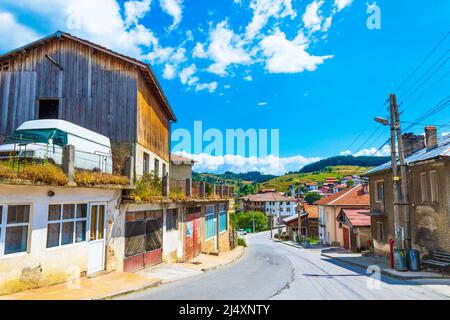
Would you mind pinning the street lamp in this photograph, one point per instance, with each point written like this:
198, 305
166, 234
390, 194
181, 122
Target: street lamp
383, 121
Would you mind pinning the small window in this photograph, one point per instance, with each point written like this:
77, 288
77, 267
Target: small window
210, 222
172, 219
146, 162
379, 187
223, 217
380, 231
14, 227
49, 109
157, 167
66, 224
423, 187
434, 187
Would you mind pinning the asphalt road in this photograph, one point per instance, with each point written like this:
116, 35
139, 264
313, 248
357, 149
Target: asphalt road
271, 270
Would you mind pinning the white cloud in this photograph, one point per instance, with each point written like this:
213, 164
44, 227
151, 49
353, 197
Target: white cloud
265, 9
248, 78
385, 151
187, 73
136, 10
445, 133
174, 8
285, 56
98, 21
341, 4
312, 18
211, 87
266, 165
261, 104
169, 72
199, 51
13, 34
225, 48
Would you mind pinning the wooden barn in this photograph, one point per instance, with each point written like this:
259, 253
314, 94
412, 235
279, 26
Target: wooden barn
65, 77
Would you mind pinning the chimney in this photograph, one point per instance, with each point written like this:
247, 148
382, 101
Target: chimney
365, 188
431, 137
412, 143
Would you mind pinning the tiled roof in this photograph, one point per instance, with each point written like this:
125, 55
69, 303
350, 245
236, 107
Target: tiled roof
267, 196
179, 159
312, 210
357, 217
442, 150
352, 197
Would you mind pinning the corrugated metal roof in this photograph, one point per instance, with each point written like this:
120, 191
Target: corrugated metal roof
442, 150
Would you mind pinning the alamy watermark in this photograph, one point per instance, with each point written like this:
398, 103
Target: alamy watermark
246, 143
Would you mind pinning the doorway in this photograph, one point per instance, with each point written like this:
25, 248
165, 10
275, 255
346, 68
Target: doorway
97, 230
48, 109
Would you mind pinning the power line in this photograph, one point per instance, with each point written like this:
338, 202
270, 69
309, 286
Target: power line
428, 78
423, 61
441, 105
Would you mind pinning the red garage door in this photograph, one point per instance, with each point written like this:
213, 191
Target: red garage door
193, 239
143, 240
346, 235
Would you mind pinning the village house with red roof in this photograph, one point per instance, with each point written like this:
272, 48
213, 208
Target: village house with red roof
331, 231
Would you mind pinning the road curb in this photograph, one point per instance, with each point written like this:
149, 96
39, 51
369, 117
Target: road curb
227, 263
154, 284
383, 271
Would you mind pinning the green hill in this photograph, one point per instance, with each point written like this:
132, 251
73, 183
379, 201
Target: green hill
282, 183
362, 161
232, 178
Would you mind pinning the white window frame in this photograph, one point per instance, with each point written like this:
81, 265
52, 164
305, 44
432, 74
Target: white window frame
423, 187
434, 187
74, 220
4, 225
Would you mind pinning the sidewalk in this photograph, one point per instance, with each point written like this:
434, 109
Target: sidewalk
113, 284
100, 287
359, 260
203, 263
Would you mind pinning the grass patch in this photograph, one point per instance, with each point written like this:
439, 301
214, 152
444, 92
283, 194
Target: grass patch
45, 173
242, 242
90, 178
148, 188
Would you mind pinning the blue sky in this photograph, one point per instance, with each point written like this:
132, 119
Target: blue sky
310, 68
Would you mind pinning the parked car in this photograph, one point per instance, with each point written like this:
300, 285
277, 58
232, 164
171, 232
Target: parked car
241, 232
45, 139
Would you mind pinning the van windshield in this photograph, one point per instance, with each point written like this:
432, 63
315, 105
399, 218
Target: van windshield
39, 136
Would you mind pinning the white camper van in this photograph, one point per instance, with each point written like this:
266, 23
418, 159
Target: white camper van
40, 139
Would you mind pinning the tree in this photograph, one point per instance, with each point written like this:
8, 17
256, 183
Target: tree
350, 183
245, 221
312, 197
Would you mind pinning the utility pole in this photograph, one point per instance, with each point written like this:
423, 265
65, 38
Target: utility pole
395, 178
271, 225
299, 224
253, 215
403, 177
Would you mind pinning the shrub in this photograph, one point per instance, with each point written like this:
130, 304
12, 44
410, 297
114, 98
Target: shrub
148, 187
177, 195
7, 172
242, 242
89, 178
46, 173
245, 221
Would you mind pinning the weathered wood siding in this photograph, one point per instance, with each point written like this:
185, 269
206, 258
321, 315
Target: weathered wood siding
153, 122
95, 90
